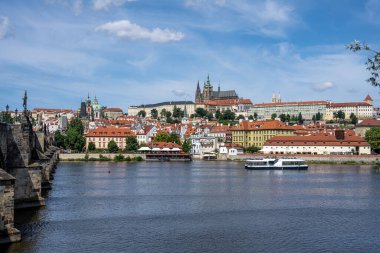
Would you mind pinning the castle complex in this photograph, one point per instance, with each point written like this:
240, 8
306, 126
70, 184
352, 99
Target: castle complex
209, 94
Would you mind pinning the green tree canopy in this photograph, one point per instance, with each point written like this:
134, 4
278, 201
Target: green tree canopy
186, 146
300, 119
273, 116
112, 146
59, 139
163, 113
74, 135
372, 136
154, 113
228, 115
74, 140
131, 143
91, 146
141, 114
200, 112
209, 116
354, 119
240, 117
252, 149
77, 124
218, 115
162, 137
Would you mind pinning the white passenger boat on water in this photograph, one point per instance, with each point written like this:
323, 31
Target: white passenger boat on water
276, 164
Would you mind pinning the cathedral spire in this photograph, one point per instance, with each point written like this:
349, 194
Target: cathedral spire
198, 97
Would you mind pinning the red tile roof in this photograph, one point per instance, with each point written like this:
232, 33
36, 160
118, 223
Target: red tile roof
369, 123
113, 109
110, 132
368, 98
350, 104
229, 102
293, 103
261, 125
316, 140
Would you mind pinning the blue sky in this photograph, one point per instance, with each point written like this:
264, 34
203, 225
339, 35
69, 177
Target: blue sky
129, 52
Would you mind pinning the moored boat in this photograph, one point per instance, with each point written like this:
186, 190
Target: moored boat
276, 164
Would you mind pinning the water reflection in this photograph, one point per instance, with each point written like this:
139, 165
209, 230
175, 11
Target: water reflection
204, 206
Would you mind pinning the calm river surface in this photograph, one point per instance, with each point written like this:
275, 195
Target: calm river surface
204, 207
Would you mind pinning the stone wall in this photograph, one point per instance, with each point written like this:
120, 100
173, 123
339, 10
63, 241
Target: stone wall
66, 157
28, 186
8, 233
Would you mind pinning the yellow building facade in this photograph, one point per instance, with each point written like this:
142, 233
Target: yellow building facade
256, 133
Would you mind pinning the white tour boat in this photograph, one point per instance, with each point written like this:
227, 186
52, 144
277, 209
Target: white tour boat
276, 164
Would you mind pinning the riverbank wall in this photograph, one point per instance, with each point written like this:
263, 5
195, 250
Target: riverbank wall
96, 156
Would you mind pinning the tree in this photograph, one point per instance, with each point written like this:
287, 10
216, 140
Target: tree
91, 146
240, 117
372, 136
252, 149
186, 146
112, 146
341, 115
141, 114
318, 116
250, 117
74, 135
59, 139
283, 117
162, 137
131, 143
163, 113
77, 124
209, 116
354, 119
218, 115
168, 114
154, 113
200, 112
177, 112
373, 61
300, 119
74, 140
255, 115
228, 115
273, 116
174, 138
314, 118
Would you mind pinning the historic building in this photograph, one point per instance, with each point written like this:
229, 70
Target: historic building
307, 108
256, 133
340, 143
362, 110
101, 136
187, 106
208, 93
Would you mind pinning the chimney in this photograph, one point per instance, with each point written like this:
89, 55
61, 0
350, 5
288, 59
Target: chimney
339, 134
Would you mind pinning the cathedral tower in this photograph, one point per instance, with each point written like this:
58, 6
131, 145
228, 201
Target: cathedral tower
198, 95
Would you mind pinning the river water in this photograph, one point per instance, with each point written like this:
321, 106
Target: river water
204, 207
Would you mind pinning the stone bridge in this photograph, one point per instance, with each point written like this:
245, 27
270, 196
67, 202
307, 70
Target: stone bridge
27, 160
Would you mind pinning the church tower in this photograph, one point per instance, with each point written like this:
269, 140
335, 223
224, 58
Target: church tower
207, 90
198, 95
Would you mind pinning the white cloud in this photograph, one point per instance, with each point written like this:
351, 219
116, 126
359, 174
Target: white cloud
323, 86
4, 27
105, 4
127, 29
77, 7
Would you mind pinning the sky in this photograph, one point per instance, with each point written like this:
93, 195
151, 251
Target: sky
133, 52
